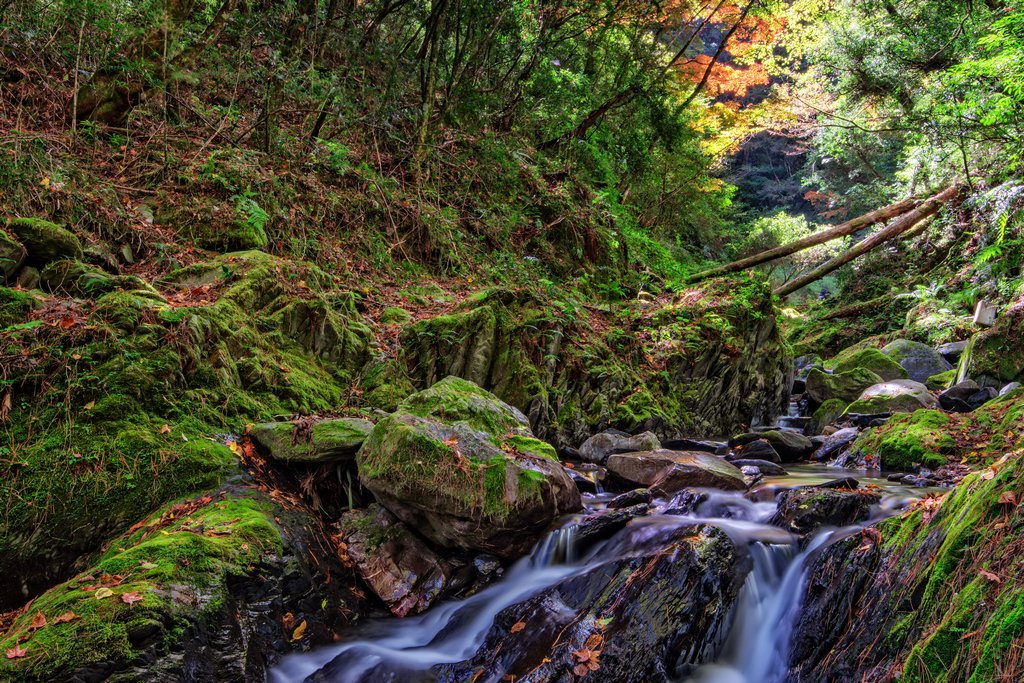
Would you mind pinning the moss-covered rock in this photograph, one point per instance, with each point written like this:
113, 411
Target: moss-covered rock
996, 355
941, 381
827, 413
463, 469
323, 441
12, 256
846, 386
806, 509
908, 440
45, 241
897, 396
868, 359
203, 585
919, 360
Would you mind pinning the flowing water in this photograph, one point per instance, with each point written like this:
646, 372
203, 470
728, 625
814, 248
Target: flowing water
753, 651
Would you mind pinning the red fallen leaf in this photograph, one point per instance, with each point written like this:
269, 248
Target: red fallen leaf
66, 617
67, 322
994, 578
452, 442
16, 652
517, 627
130, 598
38, 622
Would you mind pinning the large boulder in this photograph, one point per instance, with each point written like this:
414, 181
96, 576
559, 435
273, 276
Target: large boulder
995, 356
868, 359
847, 385
312, 442
788, 444
897, 396
597, 448
827, 413
12, 256
463, 469
671, 471
919, 360
806, 509
404, 573
45, 241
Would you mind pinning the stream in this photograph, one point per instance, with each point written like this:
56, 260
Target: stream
754, 649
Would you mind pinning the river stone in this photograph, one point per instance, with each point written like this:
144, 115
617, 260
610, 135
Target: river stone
404, 573
12, 256
462, 468
955, 398
835, 443
761, 449
326, 441
789, 445
1012, 386
952, 351
597, 448
763, 466
45, 241
919, 360
808, 508
897, 396
675, 470
847, 386
872, 360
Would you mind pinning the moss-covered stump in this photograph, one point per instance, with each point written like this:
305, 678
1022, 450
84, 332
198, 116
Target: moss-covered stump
936, 595
908, 440
709, 363
113, 399
217, 587
462, 468
312, 442
868, 359
847, 386
44, 241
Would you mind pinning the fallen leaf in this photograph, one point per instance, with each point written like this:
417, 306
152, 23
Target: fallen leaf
994, 578
38, 622
300, 630
16, 652
103, 592
594, 641
165, 429
517, 627
130, 598
90, 405
288, 620
1008, 498
5, 406
65, 618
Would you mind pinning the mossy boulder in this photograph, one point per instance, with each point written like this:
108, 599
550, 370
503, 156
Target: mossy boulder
897, 396
919, 360
869, 359
847, 386
827, 413
329, 440
12, 256
597, 448
790, 445
217, 584
941, 381
908, 440
45, 241
806, 509
385, 384
463, 469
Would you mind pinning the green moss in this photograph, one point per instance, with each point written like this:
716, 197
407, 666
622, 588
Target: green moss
15, 306
535, 447
456, 400
827, 413
908, 440
846, 385
385, 385
45, 241
870, 359
395, 316
941, 381
882, 403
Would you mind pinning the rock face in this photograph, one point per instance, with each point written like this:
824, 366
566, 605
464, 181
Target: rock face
463, 469
45, 241
919, 360
846, 386
400, 568
323, 441
514, 345
643, 618
790, 446
807, 509
671, 471
897, 396
597, 448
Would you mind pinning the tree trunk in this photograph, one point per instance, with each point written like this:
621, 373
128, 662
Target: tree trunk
898, 228
842, 230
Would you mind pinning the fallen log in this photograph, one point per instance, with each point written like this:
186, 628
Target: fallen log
842, 230
898, 227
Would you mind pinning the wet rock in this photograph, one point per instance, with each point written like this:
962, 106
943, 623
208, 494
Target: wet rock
826, 414
597, 448
846, 386
952, 351
693, 445
919, 360
790, 445
897, 396
761, 449
835, 443
322, 441
807, 509
845, 483
669, 471
644, 617
1012, 386
463, 469
12, 256
583, 483
630, 498
765, 467
404, 573
44, 241
955, 398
